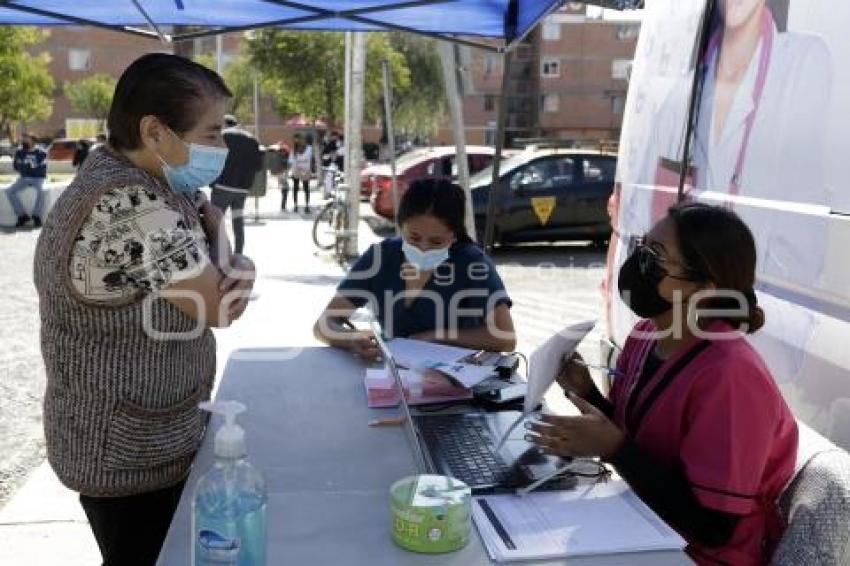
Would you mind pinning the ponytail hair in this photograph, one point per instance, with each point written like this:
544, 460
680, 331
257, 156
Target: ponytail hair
719, 246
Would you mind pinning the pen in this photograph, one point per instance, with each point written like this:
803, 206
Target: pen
389, 421
610, 371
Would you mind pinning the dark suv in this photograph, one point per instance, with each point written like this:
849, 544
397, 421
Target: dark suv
548, 195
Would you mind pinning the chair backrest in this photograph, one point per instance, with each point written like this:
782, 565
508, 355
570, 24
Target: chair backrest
816, 505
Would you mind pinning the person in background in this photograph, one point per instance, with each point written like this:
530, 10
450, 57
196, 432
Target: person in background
340, 152
80, 153
278, 160
694, 422
300, 161
431, 284
30, 162
231, 188
330, 163
133, 268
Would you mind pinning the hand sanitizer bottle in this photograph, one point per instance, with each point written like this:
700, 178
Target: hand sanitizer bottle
229, 506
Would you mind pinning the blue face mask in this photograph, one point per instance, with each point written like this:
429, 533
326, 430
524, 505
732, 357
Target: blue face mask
425, 261
204, 166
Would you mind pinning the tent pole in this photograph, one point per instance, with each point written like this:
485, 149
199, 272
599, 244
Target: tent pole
492, 209
218, 49
358, 72
448, 58
388, 110
347, 110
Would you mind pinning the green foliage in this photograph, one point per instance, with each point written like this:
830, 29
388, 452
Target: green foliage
239, 76
25, 82
421, 109
91, 96
306, 70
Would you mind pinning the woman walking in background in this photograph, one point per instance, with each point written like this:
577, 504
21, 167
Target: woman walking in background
300, 161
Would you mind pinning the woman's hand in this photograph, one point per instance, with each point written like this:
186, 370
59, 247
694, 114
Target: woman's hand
236, 286
211, 215
363, 344
575, 377
588, 435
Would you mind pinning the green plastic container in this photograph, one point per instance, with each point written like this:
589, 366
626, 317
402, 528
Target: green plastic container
430, 514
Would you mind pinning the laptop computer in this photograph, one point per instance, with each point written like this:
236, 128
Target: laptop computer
464, 445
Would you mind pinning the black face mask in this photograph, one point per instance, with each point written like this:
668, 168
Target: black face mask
639, 290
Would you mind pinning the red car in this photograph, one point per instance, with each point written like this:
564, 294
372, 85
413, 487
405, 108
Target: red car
417, 164
62, 149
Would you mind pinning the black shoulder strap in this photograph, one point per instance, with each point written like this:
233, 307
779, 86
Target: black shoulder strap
664, 382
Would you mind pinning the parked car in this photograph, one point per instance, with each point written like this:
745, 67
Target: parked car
417, 164
62, 149
548, 195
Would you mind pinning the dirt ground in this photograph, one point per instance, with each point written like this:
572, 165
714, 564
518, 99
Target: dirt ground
21, 369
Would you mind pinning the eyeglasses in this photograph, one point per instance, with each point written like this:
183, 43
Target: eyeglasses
651, 264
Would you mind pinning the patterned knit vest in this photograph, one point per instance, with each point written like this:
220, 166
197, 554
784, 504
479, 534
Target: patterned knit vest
121, 410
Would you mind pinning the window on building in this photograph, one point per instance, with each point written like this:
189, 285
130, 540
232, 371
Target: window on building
618, 104
550, 102
79, 59
550, 67
522, 52
551, 30
621, 69
628, 32
489, 103
520, 104
491, 64
490, 134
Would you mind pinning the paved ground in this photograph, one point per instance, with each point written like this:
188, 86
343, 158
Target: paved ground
43, 524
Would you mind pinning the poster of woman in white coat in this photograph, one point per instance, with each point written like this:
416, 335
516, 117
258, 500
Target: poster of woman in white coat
758, 145
762, 112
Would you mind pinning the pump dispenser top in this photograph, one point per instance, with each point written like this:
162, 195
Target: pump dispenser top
230, 438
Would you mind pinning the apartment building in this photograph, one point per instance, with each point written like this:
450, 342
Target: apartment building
568, 81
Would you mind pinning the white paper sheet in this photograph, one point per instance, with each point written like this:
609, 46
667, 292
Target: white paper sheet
545, 362
544, 365
411, 353
597, 519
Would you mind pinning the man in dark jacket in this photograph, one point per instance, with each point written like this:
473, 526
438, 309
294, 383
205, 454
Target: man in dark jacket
231, 188
31, 164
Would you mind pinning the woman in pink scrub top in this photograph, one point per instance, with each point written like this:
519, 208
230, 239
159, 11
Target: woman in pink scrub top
694, 421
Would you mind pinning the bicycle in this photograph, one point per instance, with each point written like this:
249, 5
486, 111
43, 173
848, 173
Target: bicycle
331, 224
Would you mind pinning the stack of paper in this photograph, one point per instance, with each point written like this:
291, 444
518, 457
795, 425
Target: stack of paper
420, 355
432, 387
602, 518
409, 352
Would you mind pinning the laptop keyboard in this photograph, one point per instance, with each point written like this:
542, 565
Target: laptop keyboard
466, 445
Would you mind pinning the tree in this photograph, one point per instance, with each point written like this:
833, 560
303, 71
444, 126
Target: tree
306, 71
421, 109
239, 76
25, 82
91, 96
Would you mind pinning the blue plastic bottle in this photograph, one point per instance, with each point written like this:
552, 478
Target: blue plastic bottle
229, 506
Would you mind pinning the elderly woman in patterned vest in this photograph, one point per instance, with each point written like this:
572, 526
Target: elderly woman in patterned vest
132, 269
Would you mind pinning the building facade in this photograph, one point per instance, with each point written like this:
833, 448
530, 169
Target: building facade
77, 52
568, 81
